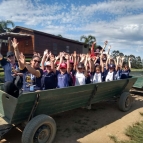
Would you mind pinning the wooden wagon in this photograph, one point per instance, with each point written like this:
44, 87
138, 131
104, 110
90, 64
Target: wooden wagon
34, 109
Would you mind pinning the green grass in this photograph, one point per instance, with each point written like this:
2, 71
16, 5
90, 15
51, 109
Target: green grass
134, 132
141, 113
1, 74
136, 69
114, 139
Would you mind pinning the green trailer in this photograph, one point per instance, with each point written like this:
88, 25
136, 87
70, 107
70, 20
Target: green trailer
34, 109
139, 83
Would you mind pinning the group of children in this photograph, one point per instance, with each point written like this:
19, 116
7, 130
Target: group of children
66, 70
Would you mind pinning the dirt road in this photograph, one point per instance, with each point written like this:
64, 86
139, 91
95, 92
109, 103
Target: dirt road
90, 126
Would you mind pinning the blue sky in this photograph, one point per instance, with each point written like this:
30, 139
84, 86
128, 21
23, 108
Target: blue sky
120, 22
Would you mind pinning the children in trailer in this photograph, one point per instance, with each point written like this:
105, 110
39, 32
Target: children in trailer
63, 77
81, 71
125, 69
96, 72
49, 79
110, 71
67, 70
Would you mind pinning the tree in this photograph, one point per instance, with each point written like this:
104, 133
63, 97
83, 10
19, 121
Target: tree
4, 26
59, 35
116, 54
88, 40
136, 62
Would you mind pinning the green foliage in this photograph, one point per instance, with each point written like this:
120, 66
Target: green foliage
59, 35
4, 26
88, 40
1, 74
114, 138
136, 62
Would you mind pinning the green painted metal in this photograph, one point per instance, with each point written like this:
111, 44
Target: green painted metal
139, 82
7, 106
1, 80
1, 86
136, 73
59, 100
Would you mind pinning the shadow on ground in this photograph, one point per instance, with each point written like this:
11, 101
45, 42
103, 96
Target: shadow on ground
75, 124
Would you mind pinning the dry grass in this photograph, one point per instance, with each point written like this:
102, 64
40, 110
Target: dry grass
134, 132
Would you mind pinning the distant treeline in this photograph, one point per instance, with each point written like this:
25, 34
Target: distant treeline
136, 62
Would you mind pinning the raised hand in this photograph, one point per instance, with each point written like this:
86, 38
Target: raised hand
82, 57
88, 58
45, 52
108, 56
22, 59
38, 54
129, 58
52, 59
118, 57
94, 43
67, 56
74, 54
57, 57
50, 54
109, 47
60, 55
106, 42
14, 43
35, 54
123, 58
97, 58
111, 57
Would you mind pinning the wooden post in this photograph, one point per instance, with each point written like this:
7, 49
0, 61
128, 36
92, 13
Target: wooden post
9, 44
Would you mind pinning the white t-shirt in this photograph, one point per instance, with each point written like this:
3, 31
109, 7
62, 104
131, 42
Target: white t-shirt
97, 78
79, 79
109, 76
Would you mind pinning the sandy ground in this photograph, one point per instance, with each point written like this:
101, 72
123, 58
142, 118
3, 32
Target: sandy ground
90, 126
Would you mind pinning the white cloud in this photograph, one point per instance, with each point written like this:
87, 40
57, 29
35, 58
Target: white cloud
120, 22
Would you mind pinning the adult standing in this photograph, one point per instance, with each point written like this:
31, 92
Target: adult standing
10, 66
32, 73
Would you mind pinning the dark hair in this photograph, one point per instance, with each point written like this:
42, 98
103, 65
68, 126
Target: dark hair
35, 56
125, 64
98, 67
80, 65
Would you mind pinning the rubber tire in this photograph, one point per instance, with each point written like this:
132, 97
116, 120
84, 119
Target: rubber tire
34, 124
122, 101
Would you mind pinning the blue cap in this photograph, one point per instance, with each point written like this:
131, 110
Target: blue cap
9, 53
111, 66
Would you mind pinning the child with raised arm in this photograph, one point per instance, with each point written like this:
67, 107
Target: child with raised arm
96, 71
110, 71
49, 79
126, 68
73, 64
118, 68
81, 71
63, 70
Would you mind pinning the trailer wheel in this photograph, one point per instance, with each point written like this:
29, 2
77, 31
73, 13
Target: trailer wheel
125, 101
41, 129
